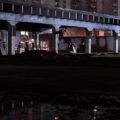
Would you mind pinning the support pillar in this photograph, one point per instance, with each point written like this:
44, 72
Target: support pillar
88, 41
56, 41
116, 43
11, 38
37, 41
4, 42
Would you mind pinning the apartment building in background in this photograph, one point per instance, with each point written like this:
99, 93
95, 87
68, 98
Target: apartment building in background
118, 8
108, 7
111, 7
38, 2
63, 3
79, 4
48, 2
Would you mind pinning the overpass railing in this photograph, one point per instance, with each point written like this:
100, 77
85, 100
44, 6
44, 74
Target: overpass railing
40, 10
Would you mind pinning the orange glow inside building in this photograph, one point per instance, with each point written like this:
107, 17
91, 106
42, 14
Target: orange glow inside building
81, 32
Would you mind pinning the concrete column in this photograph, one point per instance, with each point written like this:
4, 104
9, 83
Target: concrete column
56, 41
11, 38
38, 41
12, 7
31, 10
88, 41
7, 42
22, 8
116, 43
4, 42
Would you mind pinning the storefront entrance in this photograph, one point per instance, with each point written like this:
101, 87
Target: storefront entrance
46, 42
25, 41
72, 38
102, 41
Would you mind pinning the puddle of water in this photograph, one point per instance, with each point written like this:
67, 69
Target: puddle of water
58, 108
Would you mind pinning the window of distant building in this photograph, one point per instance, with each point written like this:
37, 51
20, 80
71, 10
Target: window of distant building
56, 0
115, 1
78, 8
56, 4
73, 2
25, 0
64, 1
93, 0
64, 6
73, 6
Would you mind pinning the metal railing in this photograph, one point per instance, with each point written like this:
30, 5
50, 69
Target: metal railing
40, 10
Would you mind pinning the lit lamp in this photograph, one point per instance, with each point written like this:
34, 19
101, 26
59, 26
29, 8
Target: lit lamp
56, 118
32, 40
101, 33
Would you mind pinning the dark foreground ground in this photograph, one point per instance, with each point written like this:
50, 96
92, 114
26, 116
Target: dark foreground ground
77, 86
93, 78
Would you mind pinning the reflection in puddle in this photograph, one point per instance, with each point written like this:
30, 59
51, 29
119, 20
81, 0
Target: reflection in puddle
68, 108
14, 110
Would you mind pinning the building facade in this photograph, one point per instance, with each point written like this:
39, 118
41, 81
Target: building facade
101, 6
48, 2
118, 8
111, 7
63, 3
28, 1
108, 7
79, 4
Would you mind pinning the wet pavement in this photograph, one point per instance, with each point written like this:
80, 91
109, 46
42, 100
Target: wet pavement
31, 92
62, 108
59, 91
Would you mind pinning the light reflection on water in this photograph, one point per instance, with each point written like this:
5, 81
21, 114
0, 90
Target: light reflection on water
32, 110
20, 109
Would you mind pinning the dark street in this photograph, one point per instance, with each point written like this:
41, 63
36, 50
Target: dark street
86, 81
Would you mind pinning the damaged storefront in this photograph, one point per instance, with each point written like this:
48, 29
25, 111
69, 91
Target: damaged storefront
72, 36
102, 40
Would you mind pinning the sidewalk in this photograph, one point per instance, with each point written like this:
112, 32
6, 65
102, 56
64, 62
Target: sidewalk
105, 55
